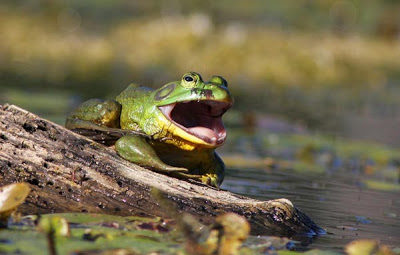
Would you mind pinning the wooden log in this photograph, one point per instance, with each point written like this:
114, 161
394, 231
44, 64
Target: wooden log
70, 173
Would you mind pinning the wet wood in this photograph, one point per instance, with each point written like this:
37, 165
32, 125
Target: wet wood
70, 173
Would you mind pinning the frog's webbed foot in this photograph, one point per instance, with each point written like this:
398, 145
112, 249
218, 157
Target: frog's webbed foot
164, 168
94, 113
105, 135
99, 120
207, 179
211, 180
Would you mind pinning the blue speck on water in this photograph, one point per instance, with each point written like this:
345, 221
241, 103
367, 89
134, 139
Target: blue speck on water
363, 219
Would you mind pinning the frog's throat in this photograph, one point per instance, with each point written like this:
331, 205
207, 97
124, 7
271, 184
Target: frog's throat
198, 122
177, 137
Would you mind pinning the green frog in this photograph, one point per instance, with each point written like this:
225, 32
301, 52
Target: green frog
172, 130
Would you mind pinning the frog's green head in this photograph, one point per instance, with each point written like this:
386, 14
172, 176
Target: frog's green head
192, 110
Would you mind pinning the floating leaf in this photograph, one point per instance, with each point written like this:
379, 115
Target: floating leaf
224, 237
233, 230
58, 226
11, 196
367, 247
311, 252
379, 185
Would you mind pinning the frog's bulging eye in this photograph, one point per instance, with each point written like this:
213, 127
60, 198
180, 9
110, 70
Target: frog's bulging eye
218, 80
190, 80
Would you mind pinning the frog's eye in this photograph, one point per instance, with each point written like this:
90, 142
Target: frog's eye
190, 80
218, 80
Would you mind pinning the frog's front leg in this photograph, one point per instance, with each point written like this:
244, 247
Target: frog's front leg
213, 172
205, 167
136, 149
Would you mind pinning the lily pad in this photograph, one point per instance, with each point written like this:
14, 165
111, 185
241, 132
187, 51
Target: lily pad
85, 234
367, 247
11, 196
383, 186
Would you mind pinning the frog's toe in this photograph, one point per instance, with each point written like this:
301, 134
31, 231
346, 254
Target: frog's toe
185, 176
207, 179
211, 180
173, 169
167, 169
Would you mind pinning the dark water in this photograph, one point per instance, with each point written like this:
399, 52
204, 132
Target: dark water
337, 202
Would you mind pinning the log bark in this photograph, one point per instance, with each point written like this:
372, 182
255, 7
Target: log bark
70, 173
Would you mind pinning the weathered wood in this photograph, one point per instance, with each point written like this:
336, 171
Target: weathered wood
70, 173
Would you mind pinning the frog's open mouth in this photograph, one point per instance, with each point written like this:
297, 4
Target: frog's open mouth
202, 119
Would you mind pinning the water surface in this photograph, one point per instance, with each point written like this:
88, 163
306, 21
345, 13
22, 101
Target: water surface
338, 202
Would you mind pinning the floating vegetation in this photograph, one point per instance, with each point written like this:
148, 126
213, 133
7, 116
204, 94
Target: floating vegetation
82, 233
11, 196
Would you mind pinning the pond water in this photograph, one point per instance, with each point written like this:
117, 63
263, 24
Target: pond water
350, 190
337, 201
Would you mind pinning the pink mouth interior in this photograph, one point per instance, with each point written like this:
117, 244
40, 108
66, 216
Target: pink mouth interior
202, 119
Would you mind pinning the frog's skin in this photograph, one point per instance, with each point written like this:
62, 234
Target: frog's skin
174, 129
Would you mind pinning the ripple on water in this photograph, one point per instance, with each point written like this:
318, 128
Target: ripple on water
335, 201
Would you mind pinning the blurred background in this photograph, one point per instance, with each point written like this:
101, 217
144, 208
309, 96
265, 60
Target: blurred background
316, 84
305, 65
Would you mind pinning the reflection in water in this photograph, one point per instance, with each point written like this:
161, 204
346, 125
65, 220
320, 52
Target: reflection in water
337, 202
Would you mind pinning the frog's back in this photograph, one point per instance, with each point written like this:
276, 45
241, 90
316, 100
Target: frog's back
134, 101
133, 91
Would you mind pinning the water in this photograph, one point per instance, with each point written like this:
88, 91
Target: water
337, 198
338, 202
